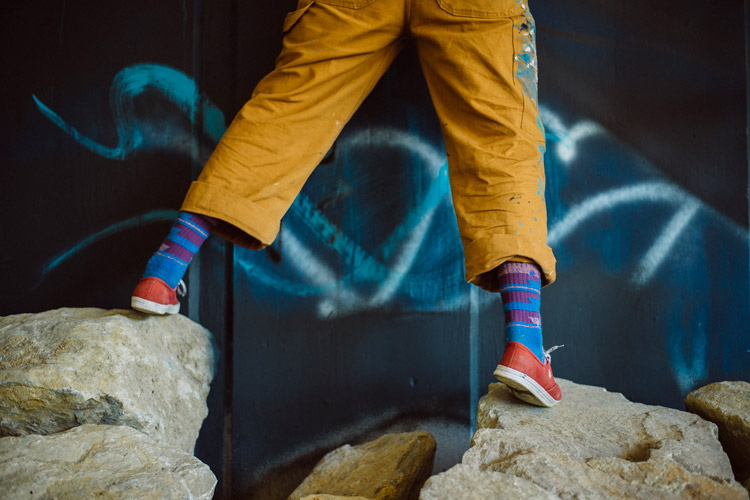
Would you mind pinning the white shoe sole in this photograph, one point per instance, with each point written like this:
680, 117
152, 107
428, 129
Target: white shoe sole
524, 387
150, 307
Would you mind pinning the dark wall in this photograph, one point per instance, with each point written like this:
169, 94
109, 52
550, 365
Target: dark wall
357, 318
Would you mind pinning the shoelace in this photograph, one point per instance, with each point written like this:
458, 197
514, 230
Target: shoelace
551, 350
181, 289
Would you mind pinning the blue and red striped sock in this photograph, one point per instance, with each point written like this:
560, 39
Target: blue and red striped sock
187, 235
521, 289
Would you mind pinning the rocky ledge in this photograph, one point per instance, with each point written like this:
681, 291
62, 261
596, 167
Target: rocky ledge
103, 403
594, 444
68, 367
109, 461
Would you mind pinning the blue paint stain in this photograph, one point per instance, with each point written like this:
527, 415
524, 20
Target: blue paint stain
525, 67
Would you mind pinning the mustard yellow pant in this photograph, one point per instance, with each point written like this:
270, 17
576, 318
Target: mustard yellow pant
479, 61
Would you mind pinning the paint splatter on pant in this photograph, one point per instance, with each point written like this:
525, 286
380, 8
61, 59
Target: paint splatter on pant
479, 61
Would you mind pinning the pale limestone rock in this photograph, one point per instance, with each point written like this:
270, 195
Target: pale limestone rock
67, 367
463, 482
393, 467
727, 404
100, 461
596, 444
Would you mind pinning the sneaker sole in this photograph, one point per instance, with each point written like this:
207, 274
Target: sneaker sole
524, 387
150, 307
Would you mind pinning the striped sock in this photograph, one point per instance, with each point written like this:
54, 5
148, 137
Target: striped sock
520, 287
170, 262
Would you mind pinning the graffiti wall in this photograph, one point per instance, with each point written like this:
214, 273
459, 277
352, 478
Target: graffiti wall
357, 320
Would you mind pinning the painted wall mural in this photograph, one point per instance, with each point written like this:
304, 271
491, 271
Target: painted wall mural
324, 261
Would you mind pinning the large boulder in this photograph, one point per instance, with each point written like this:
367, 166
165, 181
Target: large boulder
393, 467
68, 367
594, 444
727, 404
100, 461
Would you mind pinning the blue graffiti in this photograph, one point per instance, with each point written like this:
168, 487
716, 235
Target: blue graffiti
149, 218
645, 227
386, 268
132, 81
418, 265
371, 278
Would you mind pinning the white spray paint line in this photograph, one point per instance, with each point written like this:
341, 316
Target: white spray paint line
318, 274
344, 301
607, 200
655, 256
568, 137
566, 148
403, 262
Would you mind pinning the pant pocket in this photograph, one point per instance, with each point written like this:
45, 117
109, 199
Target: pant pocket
492, 9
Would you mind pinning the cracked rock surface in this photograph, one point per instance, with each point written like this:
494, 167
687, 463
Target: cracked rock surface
67, 367
100, 461
594, 444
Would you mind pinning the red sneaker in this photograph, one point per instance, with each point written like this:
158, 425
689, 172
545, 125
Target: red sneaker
528, 379
153, 296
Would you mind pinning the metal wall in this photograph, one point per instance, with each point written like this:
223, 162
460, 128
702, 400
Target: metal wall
357, 319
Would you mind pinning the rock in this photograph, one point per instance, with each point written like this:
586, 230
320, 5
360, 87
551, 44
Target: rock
100, 461
597, 444
393, 467
68, 367
727, 404
467, 483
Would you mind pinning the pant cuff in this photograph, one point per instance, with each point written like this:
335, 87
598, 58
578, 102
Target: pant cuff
486, 254
240, 221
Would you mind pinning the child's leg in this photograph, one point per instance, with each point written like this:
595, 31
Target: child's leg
479, 61
520, 287
332, 56
156, 291
525, 366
